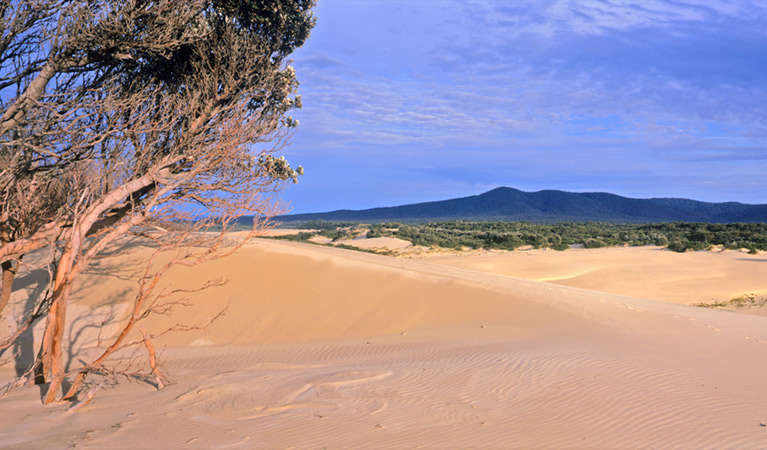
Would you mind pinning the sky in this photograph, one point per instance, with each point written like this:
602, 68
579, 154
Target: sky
408, 101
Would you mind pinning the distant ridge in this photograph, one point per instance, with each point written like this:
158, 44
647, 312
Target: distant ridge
548, 206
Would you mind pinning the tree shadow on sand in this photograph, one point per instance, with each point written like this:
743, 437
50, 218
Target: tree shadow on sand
85, 327
35, 283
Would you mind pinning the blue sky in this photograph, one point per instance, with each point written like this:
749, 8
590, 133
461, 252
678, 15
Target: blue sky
418, 100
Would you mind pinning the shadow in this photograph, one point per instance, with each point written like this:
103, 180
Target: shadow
762, 260
36, 284
87, 332
129, 268
89, 326
43, 391
126, 245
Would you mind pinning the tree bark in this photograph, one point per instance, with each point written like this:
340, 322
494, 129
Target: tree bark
9, 272
34, 91
50, 232
50, 358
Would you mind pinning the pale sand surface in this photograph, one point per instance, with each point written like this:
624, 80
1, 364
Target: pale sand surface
378, 243
646, 272
323, 347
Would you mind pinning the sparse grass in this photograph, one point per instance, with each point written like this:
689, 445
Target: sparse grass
739, 302
351, 247
300, 237
304, 237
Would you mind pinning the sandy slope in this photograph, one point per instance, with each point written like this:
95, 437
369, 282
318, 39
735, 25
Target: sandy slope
646, 272
322, 347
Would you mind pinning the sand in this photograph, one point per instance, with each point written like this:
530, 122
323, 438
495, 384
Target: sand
325, 347
646, 272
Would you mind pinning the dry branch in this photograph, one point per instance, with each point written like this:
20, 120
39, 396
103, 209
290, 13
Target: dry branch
152, 359
87, 399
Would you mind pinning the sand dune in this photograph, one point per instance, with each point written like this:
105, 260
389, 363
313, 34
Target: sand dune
646, 272
323, 347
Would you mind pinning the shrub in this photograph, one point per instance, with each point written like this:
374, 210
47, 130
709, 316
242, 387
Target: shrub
594, 243
677, 246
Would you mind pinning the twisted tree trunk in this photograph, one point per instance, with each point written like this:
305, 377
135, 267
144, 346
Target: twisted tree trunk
50, 365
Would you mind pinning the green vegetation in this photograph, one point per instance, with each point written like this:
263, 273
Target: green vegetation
677, 236
741, 301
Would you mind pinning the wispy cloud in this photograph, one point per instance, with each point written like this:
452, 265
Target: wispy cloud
538, 85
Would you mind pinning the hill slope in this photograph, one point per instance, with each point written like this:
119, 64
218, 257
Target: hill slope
552, 206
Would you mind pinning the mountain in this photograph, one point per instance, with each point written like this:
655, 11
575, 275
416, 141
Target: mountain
548, 206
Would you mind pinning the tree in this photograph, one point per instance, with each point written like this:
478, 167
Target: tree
124, 113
